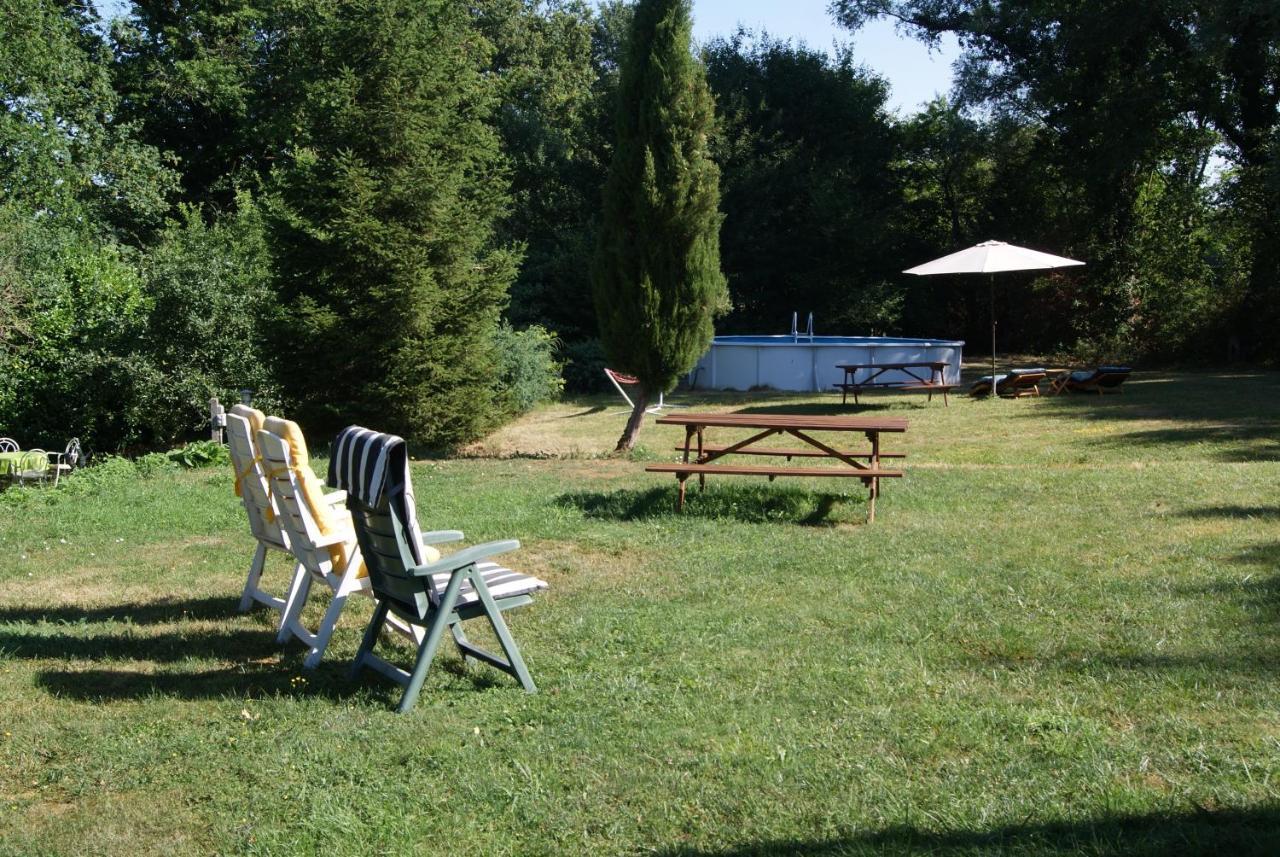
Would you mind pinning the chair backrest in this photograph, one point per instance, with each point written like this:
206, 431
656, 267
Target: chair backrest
8, 444
292, 511
1111, 376
299, 495
243, 424
385, 544
373, 468
71, 455
33, 463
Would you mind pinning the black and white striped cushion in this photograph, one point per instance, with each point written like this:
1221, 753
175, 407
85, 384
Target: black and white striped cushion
370, 465
502, 583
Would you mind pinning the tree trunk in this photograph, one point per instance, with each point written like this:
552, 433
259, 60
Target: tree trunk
629, 434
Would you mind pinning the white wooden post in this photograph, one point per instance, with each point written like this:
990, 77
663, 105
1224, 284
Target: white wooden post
217, 419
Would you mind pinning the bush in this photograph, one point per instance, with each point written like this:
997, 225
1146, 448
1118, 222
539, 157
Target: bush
202, 453
210, 301
123, 349
584, 367
528, 372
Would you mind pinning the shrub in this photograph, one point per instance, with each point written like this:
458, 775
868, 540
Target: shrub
584, 364
208, 289
528, 372
202, 453
123, 349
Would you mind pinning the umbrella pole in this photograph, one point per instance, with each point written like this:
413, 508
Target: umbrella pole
992, 282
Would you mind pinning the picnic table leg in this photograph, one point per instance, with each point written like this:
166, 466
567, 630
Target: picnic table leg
874, 486
702, 477
680, 498
688, 440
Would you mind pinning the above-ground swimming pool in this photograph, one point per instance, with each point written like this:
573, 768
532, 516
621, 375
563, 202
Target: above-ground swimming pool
808, 363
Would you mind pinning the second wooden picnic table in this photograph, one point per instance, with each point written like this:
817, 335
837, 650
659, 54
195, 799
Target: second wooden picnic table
864, 465
876, 379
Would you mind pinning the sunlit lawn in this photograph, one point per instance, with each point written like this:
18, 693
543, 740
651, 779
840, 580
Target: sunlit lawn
1059, 637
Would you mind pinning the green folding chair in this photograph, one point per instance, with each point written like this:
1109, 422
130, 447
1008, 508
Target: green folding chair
410, 580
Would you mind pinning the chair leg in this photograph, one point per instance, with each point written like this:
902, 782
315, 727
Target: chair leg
298, 592
370, 638
349, 584
428, 649
255, 575
508, 642
460, 638
330, 621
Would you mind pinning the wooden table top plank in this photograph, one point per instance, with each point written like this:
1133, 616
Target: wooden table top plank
928, 364
789, 452
756, 470
786, 421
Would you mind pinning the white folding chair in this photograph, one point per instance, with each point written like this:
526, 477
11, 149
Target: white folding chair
243, 423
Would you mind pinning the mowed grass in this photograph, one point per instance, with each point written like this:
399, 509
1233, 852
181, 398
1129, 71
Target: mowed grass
1060, 637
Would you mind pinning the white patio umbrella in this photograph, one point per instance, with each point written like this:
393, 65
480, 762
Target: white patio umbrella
992, 257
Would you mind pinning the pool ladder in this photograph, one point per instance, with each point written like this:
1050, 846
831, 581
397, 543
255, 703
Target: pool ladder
795, 329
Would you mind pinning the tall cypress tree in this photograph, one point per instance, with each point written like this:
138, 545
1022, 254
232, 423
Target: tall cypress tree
657, 280
384, 215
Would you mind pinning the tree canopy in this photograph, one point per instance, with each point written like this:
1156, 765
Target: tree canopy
392, 211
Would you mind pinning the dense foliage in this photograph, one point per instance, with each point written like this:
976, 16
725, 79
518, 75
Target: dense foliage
382, 220
657, 274
339, 204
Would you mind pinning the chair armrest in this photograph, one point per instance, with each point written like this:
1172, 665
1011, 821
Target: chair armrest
464, 558
335, 538
335, 498
440, 537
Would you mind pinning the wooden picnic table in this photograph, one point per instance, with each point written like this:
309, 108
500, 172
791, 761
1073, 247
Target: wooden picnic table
875, 380
699, 455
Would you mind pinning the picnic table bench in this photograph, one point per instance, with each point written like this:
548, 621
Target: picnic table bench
876, 380
699, 456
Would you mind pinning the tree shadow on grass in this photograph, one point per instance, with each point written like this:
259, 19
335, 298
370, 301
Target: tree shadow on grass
145, 613
597, 409
1194, 832
279, 673
747, 504
1238, 411
247, 681
168, 647
1241, 512
1244, 442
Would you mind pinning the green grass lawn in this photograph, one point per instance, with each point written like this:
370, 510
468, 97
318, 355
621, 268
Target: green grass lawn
1059, 637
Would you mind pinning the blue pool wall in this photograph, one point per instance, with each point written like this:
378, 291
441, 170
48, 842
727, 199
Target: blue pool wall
808, 364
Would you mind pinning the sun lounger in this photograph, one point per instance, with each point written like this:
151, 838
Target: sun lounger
1013, 385
1101, 380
